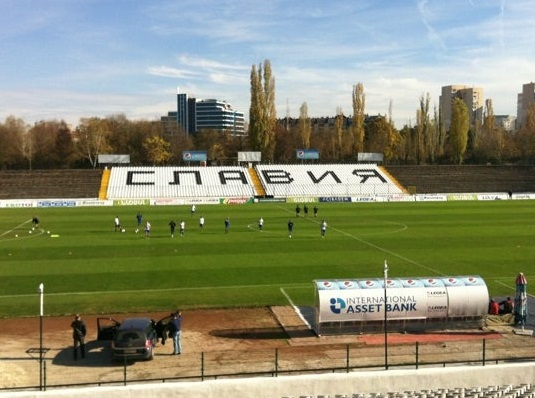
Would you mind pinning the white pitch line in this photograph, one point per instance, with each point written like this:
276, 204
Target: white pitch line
17, 227
295, 285
296, 309
384, 250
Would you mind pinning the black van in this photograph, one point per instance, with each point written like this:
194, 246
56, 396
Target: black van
134, 338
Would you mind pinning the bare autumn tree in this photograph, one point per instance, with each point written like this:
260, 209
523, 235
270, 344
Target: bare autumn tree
92, 138
13, 133
44, 136
357, 129
215, 143
305, 127
339, 133
460, 125
422, 129
262, 111
491, 142
434, 146
525, 137
64, 153
157, 149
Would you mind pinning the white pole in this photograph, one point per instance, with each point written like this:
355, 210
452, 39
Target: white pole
386, 329
41, 291
41, 294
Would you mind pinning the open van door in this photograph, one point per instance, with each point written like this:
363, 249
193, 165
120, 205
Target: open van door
106, 328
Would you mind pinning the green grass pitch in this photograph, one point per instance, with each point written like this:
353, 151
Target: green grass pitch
89, 268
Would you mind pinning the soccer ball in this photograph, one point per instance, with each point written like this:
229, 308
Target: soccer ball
16, 235
30, 231
137, 230
123, 230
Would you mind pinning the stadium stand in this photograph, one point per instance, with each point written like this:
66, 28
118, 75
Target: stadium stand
50, 184
326, 180
86, 183
167, 182
465, 178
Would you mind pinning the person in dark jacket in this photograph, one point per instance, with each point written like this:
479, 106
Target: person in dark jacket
78, 334
175, 332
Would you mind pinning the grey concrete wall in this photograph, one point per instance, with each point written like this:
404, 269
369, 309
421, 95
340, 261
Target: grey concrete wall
312, 385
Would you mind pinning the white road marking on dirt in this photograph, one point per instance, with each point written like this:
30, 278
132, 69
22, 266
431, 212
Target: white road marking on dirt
296, 309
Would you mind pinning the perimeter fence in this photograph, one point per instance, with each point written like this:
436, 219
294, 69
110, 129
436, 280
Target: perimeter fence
98, 368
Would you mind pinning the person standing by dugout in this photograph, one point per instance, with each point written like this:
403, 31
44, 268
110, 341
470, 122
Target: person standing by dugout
79, 331
175, 332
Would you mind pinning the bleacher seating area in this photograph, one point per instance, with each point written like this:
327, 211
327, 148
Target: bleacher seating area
172, 182
499, 391
277, 181
464, 179
50, 184
325, 180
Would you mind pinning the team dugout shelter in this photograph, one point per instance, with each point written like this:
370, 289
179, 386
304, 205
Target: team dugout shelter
411, 304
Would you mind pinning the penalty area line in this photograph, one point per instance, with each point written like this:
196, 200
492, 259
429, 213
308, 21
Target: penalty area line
15, 228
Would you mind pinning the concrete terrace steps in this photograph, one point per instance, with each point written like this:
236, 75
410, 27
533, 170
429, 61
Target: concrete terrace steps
50, 184
464, 178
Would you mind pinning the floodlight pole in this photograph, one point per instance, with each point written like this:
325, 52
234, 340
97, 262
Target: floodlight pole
386, 329
41, 291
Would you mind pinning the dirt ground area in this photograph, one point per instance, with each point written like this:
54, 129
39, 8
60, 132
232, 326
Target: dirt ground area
227, 341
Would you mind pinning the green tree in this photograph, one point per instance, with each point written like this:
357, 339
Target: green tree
357, 129
460, 125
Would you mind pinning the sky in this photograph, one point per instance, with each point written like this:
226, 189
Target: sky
70, 59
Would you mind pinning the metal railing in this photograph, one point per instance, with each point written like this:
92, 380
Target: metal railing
98, 369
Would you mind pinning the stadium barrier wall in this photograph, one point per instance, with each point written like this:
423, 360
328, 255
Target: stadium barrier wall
365, 382
94, 202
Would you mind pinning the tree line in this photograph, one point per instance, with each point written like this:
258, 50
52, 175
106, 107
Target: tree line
53, 144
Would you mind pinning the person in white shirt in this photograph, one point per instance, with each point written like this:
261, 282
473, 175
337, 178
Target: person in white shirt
323, 228
117, 223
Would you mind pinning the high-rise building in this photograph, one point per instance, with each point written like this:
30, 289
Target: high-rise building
525, 99
472, 98
211, 114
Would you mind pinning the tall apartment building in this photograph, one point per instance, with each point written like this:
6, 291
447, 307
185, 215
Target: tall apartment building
471, 96
525, 98
194, 115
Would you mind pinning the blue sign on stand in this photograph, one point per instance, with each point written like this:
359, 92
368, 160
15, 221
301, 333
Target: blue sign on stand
194, 156
307, 154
